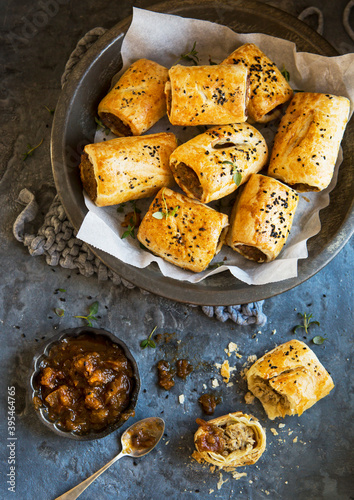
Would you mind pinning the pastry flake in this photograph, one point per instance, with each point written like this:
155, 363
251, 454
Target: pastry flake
205, 166
261, 218
127, 168
206, 95
308, 139
268, 87
289, 379
233, 440
182, 231
137, 100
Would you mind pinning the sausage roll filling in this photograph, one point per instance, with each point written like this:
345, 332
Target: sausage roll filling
232, 440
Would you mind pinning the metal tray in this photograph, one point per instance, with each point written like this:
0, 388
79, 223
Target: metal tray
73, 127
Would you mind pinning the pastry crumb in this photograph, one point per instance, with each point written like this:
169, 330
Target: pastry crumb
221, 482
295, 440
214, 383
197, 457
181, 399
274, 431
205, 387
211, 491
281, 426
249, 398
225, 371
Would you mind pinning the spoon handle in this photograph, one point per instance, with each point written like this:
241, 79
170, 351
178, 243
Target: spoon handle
77, 490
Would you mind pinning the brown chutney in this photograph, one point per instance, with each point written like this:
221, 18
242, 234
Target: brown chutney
85, 384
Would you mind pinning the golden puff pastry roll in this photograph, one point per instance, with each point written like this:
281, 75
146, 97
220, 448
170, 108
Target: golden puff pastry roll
268, 87
289, 379
212, 165
182, 231
233, 440
137, 101
308, 139
127, 168
261, 218
206, 95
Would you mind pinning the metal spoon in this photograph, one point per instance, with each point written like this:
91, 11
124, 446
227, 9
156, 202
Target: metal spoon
138, 440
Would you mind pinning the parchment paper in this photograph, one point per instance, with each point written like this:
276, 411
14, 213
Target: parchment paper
163, 38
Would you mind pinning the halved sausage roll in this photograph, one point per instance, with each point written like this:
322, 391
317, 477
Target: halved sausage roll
137, 100
261, 218
268, 87
182, 231
212, 165
206, 95
308, 139
127, 168
233, 440
289, 379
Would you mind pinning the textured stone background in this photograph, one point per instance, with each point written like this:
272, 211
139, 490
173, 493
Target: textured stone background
317, 466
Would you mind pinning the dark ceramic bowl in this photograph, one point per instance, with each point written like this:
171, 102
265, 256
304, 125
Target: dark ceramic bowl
43, 353
74, 127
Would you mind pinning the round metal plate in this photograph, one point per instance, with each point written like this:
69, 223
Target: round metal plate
73, 127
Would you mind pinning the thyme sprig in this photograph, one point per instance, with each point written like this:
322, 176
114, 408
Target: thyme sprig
236, 176
51, 111
132, 221
165, 213
191, 56
306, 323
148, 342
91, 315
101, 126
285, 74
31, 150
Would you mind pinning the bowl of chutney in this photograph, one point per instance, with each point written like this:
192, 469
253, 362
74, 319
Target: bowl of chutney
84, 383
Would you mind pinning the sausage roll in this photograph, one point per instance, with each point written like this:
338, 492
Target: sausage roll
137, 100
268, 87
206, 95
232, 440
261, 218
127, 168
212, 165
182, 231
289, 379
308, 139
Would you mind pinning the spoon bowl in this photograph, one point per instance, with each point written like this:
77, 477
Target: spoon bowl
138, 440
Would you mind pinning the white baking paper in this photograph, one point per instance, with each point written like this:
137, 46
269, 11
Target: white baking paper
163, 38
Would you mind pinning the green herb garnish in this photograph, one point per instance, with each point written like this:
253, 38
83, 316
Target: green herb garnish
167, 213
30, 150
148, 342
236, 176
215, 265
91, 315
318, 340
134, 221
100, 125
59, 312
285, 74
51, 111
191, 56
307, 323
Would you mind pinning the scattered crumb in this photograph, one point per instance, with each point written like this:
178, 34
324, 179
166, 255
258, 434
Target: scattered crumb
217, 365
274, 331
179, 341
230, 384
225, 371
252, 358
281, 426
221, 482
212, 468
197, 456
295, 440
249, 398
211, 491
167, 443
238, 475
214, 383
290, 432
232, 347
273, 431
205, 387
181, 399
267, 492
